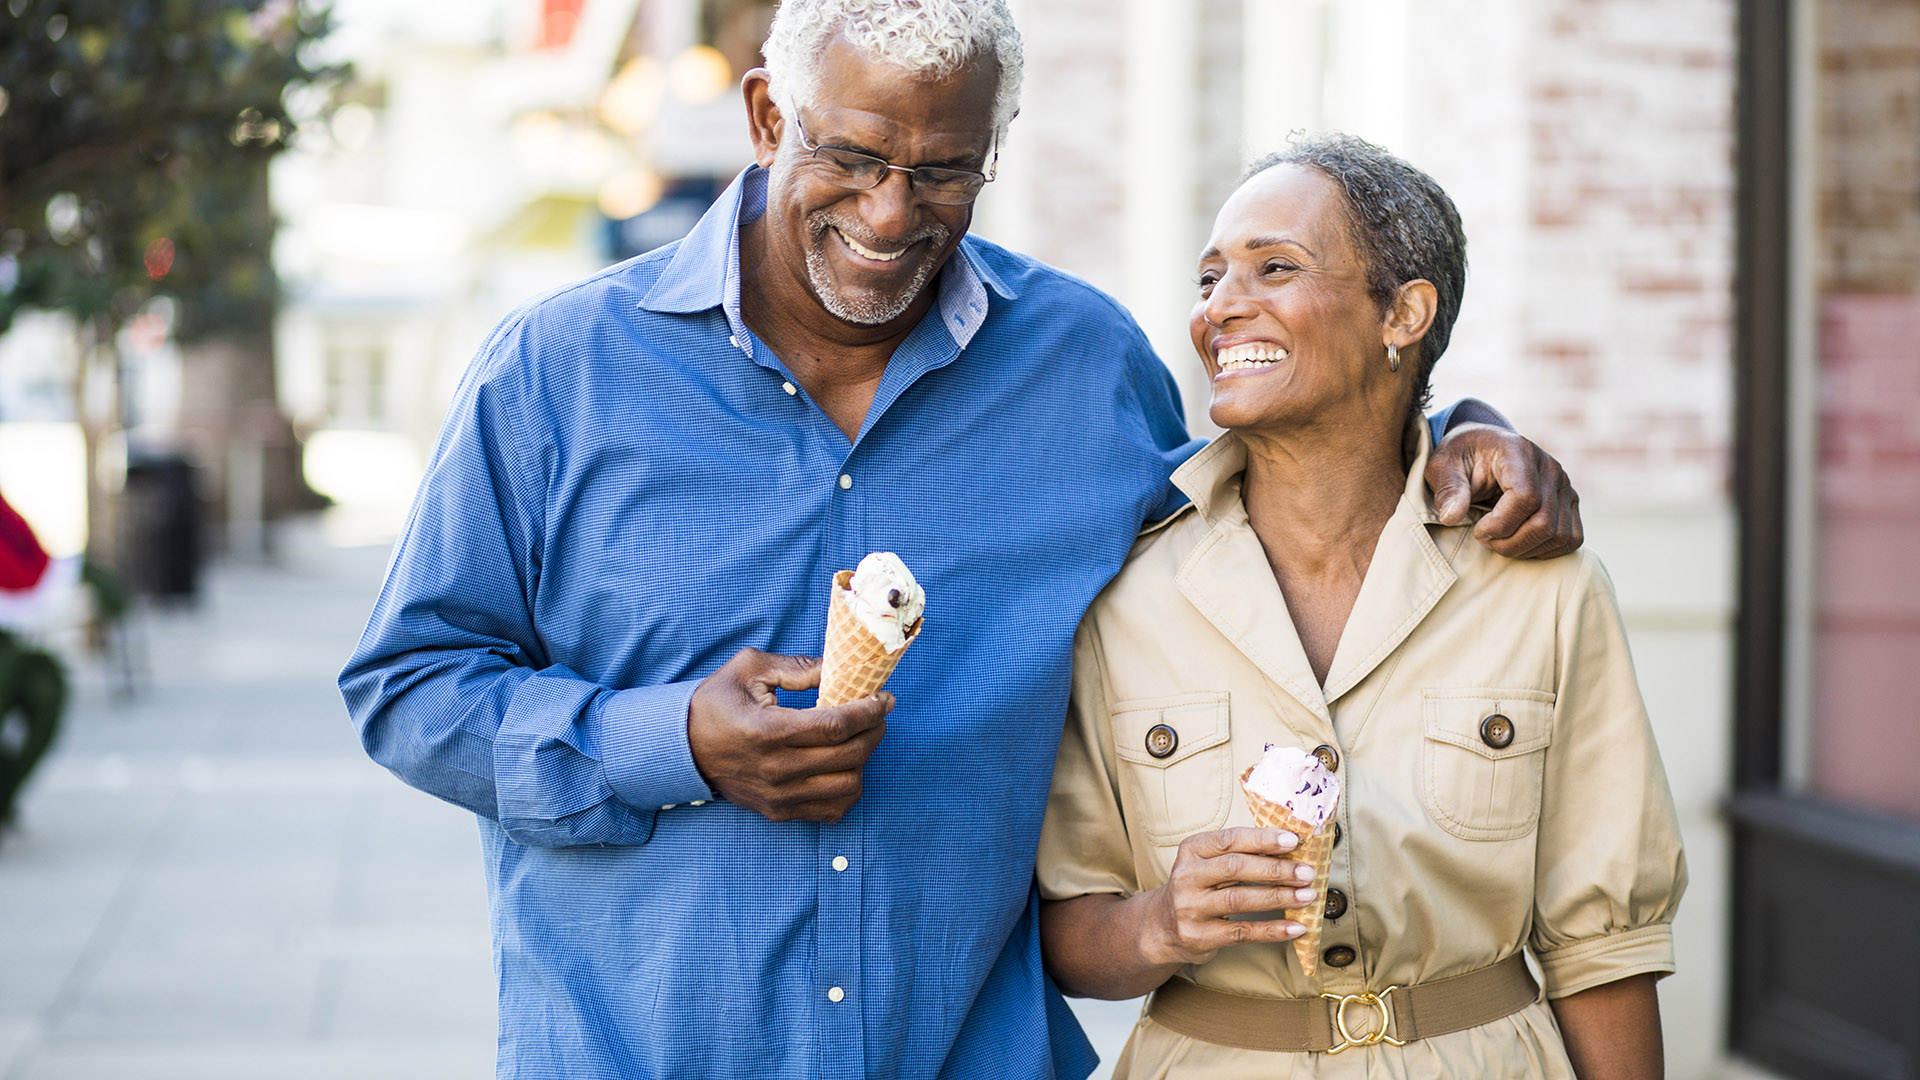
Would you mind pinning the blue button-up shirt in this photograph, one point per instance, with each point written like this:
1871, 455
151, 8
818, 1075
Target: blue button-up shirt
631, 487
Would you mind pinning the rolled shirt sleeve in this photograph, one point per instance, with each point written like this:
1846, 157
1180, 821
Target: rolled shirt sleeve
1083, 843
451, 685
1610, 869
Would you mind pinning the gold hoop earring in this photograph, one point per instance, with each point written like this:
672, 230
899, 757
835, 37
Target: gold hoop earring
1393, 357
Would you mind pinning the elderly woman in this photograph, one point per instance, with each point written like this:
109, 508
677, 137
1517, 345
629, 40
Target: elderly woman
1503, 794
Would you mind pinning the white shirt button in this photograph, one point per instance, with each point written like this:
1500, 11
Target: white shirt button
698, 802
668, 806
733, 340
839, 862
836, 995
845, 481
789, 388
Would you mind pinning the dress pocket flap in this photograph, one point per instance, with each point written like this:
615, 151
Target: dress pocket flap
1470, 718
1192, 723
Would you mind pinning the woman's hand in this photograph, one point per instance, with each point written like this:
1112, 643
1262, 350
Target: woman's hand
1221, 874
1107, 946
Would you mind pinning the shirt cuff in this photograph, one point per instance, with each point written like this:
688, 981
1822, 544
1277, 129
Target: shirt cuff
1584, 965
644, 742
1467, 411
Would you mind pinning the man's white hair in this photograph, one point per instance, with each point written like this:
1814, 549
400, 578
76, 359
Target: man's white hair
927, 39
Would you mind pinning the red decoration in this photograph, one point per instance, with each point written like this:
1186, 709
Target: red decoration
558, 18
22, 560
159, 258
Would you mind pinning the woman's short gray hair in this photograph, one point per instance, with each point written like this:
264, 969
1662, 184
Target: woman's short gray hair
929, 39
1403, 225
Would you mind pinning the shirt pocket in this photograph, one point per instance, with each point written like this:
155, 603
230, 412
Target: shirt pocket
1176, 768
1480, 777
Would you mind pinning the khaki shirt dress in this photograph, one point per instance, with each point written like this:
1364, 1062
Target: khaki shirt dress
1455, 853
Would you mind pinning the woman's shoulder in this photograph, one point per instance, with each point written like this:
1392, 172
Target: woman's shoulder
1569, 578
1152, 567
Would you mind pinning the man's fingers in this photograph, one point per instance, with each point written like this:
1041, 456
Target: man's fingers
1519, 501
779, 672
834, 724
823, 797
1452, 483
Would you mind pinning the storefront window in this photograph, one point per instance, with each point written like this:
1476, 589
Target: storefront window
1863, 573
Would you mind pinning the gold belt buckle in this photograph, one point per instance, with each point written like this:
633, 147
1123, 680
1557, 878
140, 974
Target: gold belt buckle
1381, 1001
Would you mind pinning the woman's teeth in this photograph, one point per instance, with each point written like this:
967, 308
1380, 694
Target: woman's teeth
1243, 357
866, 252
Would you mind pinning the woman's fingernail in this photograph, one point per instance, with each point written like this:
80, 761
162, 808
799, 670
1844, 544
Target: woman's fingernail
1295, 929
1305, 873
1304, 896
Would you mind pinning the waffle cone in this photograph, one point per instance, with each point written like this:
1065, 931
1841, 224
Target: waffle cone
855, 663
1316, 850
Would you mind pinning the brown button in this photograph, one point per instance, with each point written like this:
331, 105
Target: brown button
1336, 834
1336, 903
1162, 740
1328, 756
1497, 731
1339, 956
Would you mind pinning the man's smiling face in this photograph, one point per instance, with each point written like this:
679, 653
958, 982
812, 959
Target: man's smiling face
867, 256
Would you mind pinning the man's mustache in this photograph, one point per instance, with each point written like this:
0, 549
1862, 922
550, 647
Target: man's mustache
820, 221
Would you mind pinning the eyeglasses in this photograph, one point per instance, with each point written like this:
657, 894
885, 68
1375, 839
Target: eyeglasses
863, 172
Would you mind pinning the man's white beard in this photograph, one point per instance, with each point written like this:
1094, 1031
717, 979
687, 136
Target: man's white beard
867, 310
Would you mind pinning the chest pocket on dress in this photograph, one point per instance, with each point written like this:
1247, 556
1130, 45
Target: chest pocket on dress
1483, 760
1176, 769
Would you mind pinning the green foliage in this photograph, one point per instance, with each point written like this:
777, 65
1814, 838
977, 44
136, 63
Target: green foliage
111, 597
134, 141
33, 694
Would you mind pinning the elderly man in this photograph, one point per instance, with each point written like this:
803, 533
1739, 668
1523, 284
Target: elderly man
649, 477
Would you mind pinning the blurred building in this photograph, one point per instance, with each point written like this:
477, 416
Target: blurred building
1695, 235
485, 153
1695, 239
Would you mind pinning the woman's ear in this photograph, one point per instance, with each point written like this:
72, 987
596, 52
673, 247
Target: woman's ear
764, 122
1411, 314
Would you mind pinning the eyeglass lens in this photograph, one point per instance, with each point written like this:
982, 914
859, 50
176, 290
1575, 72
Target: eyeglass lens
861, 172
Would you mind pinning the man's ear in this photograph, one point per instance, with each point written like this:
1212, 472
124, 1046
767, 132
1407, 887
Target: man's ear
1410, 315
764, 122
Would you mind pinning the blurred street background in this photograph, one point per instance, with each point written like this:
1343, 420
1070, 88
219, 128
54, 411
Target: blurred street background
248, 246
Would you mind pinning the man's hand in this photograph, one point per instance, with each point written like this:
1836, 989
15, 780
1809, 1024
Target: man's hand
787, 764
1538, 512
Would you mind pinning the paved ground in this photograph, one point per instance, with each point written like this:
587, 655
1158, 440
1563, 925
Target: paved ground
212, 882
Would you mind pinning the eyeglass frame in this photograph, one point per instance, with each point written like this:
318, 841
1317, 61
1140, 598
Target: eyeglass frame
913, 173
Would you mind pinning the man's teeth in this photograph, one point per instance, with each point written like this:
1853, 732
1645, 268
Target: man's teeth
1242, 357
866, 252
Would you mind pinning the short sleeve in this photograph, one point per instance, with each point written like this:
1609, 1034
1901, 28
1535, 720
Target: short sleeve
1609, 868
1083, 842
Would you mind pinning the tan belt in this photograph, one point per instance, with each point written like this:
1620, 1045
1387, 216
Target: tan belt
1334, 1022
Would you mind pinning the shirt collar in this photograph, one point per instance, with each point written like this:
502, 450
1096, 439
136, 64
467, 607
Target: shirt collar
705, 271
1211, 478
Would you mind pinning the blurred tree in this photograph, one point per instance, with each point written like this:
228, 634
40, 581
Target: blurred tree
134, 142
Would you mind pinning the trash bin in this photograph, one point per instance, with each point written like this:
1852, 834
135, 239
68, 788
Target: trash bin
160, 527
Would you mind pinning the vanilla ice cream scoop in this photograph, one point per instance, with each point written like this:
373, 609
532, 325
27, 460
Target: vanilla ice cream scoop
1289, 776
885, 598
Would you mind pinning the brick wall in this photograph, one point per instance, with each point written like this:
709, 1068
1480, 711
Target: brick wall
1066, 144
1868, 93
1601, 226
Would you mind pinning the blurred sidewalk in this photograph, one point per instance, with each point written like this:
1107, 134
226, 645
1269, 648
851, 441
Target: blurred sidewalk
214, 881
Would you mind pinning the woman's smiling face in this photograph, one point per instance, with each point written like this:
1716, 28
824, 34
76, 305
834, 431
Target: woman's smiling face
1284, 322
